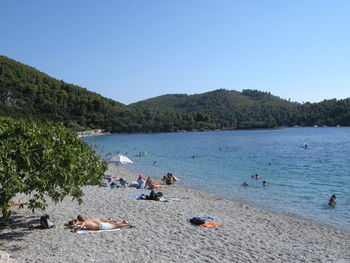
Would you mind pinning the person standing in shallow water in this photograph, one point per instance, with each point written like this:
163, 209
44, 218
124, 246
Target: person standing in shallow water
170, 179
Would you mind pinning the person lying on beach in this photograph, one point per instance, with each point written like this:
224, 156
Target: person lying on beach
97, 223
152, 196
122, 183
332, 201
150, 184
13, 204
103, 219
170, 179
81, 218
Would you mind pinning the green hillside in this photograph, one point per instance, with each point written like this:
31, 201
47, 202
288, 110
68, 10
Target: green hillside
28, 93
250, 109
228, 108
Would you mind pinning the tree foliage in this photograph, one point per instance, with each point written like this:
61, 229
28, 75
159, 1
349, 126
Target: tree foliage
43, 160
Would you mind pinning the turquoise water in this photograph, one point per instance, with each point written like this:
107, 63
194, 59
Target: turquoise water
300, 181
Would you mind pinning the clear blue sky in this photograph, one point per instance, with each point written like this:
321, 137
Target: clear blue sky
132, 50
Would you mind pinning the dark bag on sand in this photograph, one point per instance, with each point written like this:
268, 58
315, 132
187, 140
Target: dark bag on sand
45, 222
197, 221
153, 196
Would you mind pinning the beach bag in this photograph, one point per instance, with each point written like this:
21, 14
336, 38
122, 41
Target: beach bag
197, 221
153, 196
45, 222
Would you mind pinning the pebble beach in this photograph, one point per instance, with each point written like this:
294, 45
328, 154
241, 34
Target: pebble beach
162, 234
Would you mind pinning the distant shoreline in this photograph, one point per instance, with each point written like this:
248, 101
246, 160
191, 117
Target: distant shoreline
93, 135
225, 129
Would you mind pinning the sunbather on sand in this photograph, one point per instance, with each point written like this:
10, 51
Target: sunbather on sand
104, 219
97, 223
150, 184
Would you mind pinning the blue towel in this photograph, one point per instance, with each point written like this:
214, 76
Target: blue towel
135, 195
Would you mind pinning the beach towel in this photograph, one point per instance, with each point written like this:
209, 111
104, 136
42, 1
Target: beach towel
169, 199
161, 199
85, 231
135, 195
211, 224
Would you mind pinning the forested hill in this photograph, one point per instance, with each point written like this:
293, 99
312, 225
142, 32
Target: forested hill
230, 98
29, 93
251, 109
228, 108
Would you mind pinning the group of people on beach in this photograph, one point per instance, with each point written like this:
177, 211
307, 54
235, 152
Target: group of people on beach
146, 184
108, 223
168, 179
142, 182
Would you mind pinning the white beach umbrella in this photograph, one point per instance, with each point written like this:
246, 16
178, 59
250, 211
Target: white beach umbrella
119, 159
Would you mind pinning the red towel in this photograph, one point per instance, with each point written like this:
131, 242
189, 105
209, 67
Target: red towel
211, 224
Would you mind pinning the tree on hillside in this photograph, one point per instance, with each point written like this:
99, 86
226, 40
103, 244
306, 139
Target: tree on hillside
43, 160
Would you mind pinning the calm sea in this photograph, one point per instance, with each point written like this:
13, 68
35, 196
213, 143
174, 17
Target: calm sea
300, 180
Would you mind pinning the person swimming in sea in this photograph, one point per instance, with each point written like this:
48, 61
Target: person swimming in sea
255, 176
332, 201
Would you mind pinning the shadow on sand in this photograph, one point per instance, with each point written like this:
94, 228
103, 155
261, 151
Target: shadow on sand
16, 227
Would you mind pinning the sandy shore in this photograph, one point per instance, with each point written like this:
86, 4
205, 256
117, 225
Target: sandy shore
163, 235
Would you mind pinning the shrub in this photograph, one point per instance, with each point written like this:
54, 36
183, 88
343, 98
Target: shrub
44, 160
